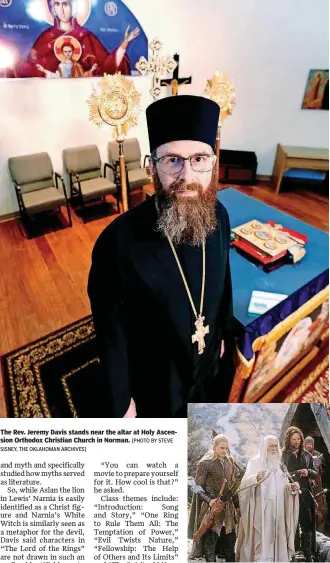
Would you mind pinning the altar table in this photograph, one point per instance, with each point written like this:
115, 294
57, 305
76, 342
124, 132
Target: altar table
274, 347
298, 157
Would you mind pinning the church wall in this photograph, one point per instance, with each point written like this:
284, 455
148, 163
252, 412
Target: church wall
267, 48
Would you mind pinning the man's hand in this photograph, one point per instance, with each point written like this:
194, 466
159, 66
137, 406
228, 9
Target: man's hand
261, 475
131, 411
222, 348
130, 35
216, 510
295, 486
41, 68
303, 472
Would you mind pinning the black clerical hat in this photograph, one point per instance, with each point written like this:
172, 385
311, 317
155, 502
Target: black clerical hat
182, 118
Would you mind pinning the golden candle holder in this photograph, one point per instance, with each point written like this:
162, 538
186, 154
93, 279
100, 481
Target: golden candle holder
115, 102
220, 89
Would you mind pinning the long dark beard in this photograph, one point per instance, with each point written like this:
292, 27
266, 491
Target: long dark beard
186, 219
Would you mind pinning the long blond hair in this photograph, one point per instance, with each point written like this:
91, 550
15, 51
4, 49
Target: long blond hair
210, 454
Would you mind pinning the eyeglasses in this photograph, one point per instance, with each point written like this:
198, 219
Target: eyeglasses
174, 164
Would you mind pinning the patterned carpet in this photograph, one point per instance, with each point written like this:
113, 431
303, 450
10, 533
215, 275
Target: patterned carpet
312, 385
56, 376
318, 392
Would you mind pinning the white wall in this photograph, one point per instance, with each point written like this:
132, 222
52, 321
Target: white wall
267, 48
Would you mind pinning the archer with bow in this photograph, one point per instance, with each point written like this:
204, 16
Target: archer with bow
213, 514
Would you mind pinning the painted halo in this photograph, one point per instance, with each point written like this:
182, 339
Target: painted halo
77, 50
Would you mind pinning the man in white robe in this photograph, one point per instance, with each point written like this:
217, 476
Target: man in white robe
269, 506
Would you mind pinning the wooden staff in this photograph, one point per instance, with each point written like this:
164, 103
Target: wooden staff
217, 150
123, 179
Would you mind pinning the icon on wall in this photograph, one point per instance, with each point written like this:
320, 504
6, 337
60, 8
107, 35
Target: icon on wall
317, 90
69, 38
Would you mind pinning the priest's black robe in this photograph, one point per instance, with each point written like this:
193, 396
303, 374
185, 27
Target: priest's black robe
143, 318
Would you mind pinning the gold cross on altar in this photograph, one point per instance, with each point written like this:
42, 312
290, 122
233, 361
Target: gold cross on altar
156, 66
200, 333
175, 81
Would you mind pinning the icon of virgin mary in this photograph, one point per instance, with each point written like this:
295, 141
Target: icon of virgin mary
65, 19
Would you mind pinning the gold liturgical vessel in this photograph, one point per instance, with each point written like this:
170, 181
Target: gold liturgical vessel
115, 102
220, 89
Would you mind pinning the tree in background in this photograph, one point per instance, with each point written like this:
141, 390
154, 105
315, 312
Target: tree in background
196, 444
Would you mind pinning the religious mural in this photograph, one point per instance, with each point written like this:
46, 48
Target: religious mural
317, 90
68, 38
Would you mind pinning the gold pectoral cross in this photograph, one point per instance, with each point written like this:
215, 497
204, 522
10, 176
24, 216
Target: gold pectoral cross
200, 333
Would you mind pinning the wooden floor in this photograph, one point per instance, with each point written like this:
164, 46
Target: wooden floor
305, 205
43, 280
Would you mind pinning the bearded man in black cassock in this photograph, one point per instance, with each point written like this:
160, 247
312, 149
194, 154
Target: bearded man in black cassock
160, 284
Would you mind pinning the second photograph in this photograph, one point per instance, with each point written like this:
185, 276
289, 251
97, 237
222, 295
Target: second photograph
258, 482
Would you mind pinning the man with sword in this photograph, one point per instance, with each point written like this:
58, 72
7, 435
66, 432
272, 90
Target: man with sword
301, 467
